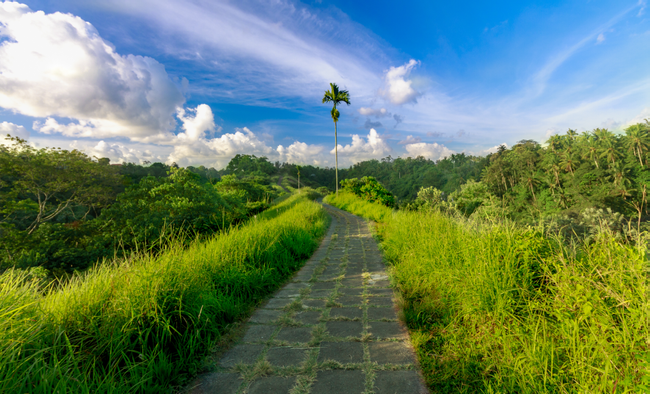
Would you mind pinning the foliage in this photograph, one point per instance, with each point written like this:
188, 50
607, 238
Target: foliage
250, 164
180, 201
596, 169
40, 185
496, 307
144, 325
369, 189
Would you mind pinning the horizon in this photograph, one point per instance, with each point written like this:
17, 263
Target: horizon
197, 83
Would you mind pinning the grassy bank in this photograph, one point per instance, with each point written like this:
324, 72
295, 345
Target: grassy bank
495, 308
144, 325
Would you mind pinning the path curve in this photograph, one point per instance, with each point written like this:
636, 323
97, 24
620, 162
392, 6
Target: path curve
332, 329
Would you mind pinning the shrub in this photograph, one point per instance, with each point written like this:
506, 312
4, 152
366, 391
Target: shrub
369, 189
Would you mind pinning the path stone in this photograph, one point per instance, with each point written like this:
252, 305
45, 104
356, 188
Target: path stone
343, 352
390, 353
294, 334
272, 385
349, 300
285, 356
349, 261
381, 313
349, 313
259, 333
323, 286
398, 382
383, 329
342, 329
246, 354
338, 382
309, 317
314, 303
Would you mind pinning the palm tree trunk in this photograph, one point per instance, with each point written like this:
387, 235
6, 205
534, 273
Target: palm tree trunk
336, 153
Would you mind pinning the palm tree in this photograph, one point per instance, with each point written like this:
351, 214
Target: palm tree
591, 150
637, 140
336, 96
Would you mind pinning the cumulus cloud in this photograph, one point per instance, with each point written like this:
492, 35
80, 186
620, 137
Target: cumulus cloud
302, 153
372, 147
118, 153
429, 151
57, 65
600, 38
218, 151
410, 140
196, 126
398, 89
377, 113
14, 130
435, 134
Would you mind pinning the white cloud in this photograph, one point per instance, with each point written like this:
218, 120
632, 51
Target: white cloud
487, 151
196, 126
374, 148
14, 130
378, 113
429, 151
117, 153
398, 89
302, 153
410, 140
217, 152
265, 47
57, 65
600, 38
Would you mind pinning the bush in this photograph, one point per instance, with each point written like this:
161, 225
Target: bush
369, 189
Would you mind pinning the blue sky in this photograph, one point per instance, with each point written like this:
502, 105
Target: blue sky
197, 81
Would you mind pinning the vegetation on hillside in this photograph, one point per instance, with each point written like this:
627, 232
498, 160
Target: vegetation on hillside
62, 211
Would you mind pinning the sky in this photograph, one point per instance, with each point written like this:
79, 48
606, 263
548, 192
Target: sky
196, 82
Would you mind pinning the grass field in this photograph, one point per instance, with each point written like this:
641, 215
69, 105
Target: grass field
496, 308
144, 325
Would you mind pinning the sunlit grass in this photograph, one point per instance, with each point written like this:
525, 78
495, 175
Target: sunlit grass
497, 308
144, 325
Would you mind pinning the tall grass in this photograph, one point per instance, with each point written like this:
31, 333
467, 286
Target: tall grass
496, 308
144, 325
351, 203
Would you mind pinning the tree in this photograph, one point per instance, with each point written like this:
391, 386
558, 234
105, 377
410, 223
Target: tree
41, 184
637, 140
336, 96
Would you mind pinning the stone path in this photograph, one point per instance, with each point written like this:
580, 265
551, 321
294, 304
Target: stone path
332, 330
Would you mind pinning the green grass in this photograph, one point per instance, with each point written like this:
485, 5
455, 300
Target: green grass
497, 308
349, 202
145, 325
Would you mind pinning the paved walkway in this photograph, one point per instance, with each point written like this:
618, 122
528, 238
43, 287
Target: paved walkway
333, 329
